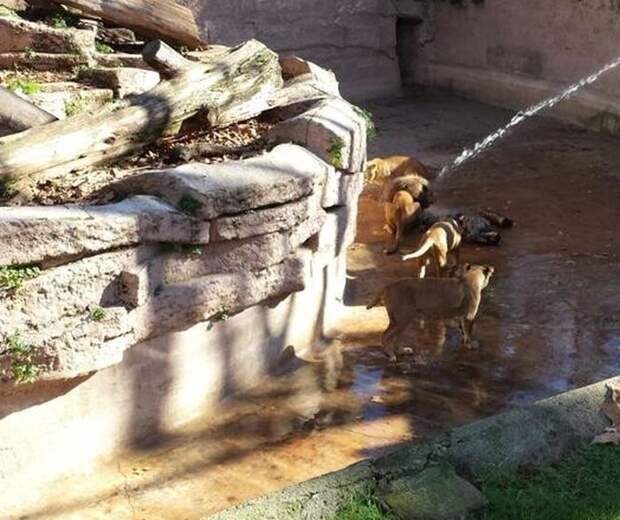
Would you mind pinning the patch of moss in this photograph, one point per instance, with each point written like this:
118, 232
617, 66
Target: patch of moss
12, 278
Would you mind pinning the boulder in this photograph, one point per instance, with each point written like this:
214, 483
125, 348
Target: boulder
332, 129
124, 81
437, 493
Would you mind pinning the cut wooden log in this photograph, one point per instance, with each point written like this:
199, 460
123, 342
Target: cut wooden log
155, 18
18, 114
165, 60
243, 80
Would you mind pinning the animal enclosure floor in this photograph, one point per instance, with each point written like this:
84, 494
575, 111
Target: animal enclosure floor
548, 322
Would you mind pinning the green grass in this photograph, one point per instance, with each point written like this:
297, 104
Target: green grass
585, 486
26, 86
362, 508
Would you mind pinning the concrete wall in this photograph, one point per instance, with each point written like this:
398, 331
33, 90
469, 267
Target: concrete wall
515, 52
62, 427
355, 38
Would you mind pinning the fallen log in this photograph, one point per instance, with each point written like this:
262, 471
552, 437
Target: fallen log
18, 114
154, 18
242, 79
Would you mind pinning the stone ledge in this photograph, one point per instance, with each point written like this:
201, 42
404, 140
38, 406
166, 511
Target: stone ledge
17, 34
285, 174
332, 129
37, 234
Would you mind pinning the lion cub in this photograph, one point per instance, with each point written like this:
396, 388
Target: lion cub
406, 193
440, 239
435, 299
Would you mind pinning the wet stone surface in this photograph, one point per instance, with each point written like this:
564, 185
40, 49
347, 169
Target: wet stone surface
548, 323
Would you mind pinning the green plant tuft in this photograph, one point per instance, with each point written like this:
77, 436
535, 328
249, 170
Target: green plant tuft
192, 250
362, 508
371, 129
12, 278
59, 22
23, 369
335, 151
103, 48
74, 106
97, 314
188, 204
26, 86
220, 316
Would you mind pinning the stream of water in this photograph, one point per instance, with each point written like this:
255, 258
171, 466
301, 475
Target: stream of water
487, 142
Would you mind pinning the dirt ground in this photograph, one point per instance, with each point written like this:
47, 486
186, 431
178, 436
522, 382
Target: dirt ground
548, 322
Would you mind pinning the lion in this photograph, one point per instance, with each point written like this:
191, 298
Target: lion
433, 299
406, 193
380, 169
441, 239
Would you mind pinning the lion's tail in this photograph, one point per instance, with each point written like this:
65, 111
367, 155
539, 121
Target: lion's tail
423, 249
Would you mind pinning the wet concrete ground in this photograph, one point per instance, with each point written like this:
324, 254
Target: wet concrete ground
548, 322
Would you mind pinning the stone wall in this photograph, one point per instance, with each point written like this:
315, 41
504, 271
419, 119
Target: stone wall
516, 52
124, 321
355, 38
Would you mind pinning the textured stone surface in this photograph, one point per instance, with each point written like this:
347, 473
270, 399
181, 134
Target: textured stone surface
35, 234
159, 386
285, 174
332, 129
67, 98
179, 306
18, 35
261, 221
342, 188
507, 57
356, 39
437, 493
124, 81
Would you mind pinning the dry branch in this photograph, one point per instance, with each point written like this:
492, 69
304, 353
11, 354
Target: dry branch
155, 18
239, 83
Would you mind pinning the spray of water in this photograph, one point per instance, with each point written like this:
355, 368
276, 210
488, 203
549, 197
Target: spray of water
479, 147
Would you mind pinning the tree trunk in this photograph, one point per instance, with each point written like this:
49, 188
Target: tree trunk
155, 18
244, 77
18, 114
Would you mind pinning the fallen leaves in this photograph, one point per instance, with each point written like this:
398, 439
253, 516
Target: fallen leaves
611, 409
